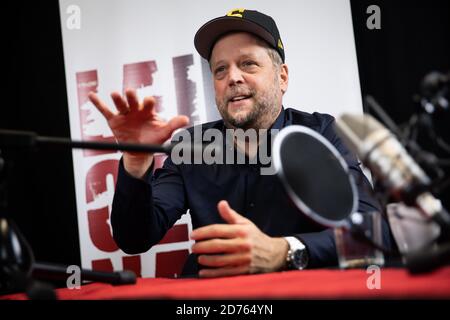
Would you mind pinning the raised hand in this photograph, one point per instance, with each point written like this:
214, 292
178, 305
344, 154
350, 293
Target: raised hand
137, 122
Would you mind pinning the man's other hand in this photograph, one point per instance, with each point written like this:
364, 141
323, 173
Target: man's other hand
238, 247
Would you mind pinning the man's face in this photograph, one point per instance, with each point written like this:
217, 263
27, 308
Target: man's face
248, 86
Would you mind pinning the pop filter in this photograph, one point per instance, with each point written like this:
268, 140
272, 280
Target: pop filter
315, 176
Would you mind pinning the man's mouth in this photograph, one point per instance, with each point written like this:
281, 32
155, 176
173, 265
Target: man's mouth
240, 98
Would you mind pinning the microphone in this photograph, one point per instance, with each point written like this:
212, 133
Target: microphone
434, 81
57, 272
434, 90
428, 260
17, 264
311, 169
399, 174
30, 140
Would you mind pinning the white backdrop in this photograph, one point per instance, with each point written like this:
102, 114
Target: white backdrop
148, 45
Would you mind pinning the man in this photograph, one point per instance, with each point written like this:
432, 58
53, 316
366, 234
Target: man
243, 221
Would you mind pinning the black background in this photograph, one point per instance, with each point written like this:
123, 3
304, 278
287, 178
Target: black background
413, 40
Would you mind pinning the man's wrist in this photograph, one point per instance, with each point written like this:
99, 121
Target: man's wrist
297, 257
137, 166
281, 250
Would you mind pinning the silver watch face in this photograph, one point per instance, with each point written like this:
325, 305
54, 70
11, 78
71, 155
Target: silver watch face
299, 259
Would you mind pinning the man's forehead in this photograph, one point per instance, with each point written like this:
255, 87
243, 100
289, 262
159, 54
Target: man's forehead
238, 42
242, 36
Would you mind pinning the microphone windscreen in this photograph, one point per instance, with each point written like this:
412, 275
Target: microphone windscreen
315, 175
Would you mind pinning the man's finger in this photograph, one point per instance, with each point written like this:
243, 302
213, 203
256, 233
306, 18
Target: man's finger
101, 106
220, 231
229, 215
221, 246
132, 98
149, 105
223, 272
120, 103
177, 123
222, 260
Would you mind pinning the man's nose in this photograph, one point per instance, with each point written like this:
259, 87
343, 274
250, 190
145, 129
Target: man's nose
235, 75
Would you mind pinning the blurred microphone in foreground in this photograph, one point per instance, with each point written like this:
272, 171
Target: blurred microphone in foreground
403, 179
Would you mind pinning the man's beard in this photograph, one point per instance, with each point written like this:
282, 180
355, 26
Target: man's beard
264, 108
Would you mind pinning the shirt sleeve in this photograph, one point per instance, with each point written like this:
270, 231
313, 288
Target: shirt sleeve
144, 209
321, 248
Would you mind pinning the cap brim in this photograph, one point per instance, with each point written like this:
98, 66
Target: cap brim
211, 31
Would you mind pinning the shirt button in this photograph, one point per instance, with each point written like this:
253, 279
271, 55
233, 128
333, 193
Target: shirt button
252, 205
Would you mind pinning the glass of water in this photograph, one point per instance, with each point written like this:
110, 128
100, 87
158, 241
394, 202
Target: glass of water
354, 252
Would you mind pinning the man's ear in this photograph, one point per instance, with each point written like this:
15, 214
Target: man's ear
284, 78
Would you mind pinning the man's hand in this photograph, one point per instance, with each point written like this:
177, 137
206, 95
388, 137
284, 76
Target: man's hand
238, 247
137, 122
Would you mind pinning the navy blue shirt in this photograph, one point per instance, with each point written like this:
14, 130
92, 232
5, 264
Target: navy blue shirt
144, 209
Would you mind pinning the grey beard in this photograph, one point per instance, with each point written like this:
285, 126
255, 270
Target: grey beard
263, 111
244, 123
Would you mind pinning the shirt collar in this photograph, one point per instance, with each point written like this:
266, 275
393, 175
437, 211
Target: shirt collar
279, 122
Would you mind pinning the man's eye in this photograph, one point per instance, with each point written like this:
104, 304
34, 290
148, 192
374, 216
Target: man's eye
249, 63
219, 69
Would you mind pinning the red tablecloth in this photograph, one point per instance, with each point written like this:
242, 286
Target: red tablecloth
307, 284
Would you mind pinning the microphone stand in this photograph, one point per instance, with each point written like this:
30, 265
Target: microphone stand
438, 254
18, 269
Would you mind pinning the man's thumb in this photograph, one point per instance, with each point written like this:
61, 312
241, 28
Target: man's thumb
229, 215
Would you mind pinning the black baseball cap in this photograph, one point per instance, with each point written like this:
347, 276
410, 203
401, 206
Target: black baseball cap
236, 20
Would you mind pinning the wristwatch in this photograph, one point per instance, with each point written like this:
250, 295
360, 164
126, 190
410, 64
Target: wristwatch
297, 256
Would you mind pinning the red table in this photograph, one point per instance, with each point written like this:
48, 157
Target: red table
307, 284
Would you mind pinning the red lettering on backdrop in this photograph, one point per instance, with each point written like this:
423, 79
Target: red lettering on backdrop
96, 178
97, 191
99, 230
178, 233
132, 263
140, 74
92, 124
135, 76
186, 90
170, 264
102, 265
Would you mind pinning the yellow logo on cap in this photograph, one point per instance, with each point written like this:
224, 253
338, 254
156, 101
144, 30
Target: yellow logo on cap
236, 12
280, 45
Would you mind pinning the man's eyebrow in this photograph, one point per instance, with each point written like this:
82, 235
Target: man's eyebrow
248, 55
214, 64
244, 56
